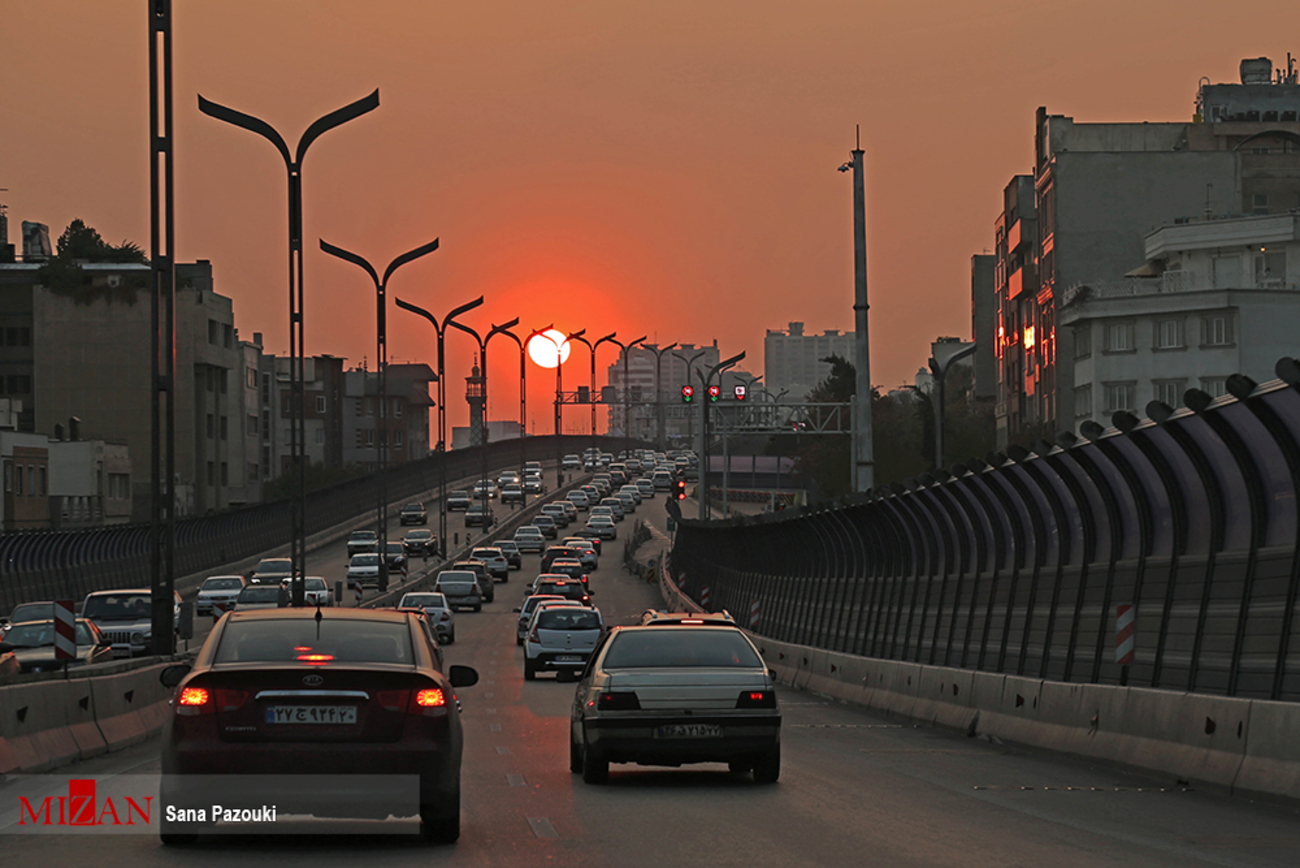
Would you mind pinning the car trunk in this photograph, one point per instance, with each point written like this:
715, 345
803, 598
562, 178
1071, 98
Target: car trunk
686, 688
569, 640
366, 704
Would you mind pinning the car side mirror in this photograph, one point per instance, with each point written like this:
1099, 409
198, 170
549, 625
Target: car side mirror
463, 676
771, 673
175, 674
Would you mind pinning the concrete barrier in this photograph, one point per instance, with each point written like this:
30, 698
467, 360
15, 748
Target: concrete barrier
1271, 763
47, 724
131, 706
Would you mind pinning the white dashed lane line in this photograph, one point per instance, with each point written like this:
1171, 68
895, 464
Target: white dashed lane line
503, 751
516, 780
542, 827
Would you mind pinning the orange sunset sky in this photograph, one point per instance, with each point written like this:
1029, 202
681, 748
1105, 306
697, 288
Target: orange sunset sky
657, 168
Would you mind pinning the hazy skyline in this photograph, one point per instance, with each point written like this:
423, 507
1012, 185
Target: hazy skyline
667, 171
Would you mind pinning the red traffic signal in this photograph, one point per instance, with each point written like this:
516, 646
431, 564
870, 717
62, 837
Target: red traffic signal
714, 392
679, 489
688, 393
741, 391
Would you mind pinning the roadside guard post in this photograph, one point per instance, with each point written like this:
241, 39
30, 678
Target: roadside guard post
1124, 639
65, 630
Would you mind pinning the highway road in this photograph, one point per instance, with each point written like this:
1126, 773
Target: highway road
856, 789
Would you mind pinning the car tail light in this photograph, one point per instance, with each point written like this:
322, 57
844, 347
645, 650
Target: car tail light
618, 701
392, 700
756, 699
315, 659
194, 701
431, 698
534, 638
446, 616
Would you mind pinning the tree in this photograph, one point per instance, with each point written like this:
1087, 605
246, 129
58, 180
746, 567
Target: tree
79, 243
82, 242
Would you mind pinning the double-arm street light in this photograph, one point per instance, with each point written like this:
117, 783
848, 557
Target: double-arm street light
293, 166
523, 384
659, 394
381, 353
441, 331
627, 390
483, 430
591, 397
690, 417
705, 381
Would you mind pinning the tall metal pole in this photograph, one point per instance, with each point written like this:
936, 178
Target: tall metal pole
659, 395
690, 418
591, 389
441, 332
523, 389
297, 422
627, 392
707, 380
162, 247
559, 409
864, 457
483, 362
381, 353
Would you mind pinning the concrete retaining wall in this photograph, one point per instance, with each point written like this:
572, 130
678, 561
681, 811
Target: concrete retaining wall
1244, 745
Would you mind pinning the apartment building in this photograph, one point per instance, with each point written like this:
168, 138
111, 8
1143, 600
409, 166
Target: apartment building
792, 360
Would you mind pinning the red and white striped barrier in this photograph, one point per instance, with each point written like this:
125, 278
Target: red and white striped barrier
1124, 640
65, 630
356, 587
753, 614
704, 598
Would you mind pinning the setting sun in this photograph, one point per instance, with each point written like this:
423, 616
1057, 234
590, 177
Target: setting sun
542, 348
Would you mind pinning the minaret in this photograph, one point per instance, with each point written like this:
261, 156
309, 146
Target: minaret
477, 409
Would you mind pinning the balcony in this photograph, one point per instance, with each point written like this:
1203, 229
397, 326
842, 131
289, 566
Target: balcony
1169, 283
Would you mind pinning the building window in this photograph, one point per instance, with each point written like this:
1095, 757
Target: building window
214, 332
397, 408
222, 378
18, 480
1083, 400
288, 438
1119, 396
397, 438
1216, 331
1082, 341
252, 378
41, 471
212, 423
1119, 337
225, 473
1170, 391
253, 474
252, 424
266, 388
357, 408
266, 462
227, 335
370, 438
31, 480
1259, 203
212, 473
1215, 387
1270, 268
320, 403
1169, 334
224, 426
320, 436
9, 476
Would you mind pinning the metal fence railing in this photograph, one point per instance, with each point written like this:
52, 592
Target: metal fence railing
1018, 564
46, 565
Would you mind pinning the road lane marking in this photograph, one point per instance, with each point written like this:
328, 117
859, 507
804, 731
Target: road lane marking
516, 780
494, 727
503, 751
489, 711
542, 827
488, 695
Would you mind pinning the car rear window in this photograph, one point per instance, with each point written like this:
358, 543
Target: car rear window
333, 640
259, 595
642, 649
221, 585
429, 601
568, 619
572, 590
275, 565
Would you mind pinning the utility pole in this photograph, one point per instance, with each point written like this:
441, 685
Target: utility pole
863, 456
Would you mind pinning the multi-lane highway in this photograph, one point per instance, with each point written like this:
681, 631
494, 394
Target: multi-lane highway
856, 789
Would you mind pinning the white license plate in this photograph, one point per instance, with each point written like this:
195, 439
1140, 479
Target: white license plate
689, 730
568, 658
337, 714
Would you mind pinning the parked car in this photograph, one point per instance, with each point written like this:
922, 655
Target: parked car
530, 538
262, 597
560, 639
271, 571
458, 500
32, 644
388, 710
414, 513
511, 551
480, 515
497, 565
218, 591
435, 605
125, 617
643, 700
461, 588
420, 543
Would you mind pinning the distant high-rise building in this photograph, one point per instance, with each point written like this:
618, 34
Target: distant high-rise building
793, 361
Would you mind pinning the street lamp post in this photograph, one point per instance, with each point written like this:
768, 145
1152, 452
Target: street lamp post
483, 363
523, 387
944, 355
381, 353
690, 417
293, 166
627, 391
659, 394
591, 393
441, 331
705, 381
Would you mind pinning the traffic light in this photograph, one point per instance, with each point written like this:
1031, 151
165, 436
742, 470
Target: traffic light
714, 392
688, 394
679, 489
740, 393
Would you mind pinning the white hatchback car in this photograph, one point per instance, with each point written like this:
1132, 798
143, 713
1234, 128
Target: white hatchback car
561, 639
530, 539
674, 694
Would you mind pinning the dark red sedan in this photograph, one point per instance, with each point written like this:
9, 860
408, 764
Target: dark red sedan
330, 712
